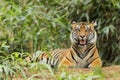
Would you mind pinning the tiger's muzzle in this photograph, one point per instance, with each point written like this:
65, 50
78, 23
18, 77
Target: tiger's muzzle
82, 40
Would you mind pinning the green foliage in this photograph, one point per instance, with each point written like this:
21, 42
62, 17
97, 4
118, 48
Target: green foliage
81, 76
30, 25
11, 66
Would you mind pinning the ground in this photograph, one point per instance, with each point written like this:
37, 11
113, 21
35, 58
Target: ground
108, 73
112, 72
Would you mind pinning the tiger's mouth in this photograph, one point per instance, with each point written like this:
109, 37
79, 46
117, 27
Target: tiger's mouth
82, 42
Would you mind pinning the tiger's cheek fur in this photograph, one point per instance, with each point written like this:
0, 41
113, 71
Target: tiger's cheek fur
73, 37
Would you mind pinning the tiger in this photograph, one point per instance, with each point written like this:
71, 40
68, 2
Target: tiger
83, 52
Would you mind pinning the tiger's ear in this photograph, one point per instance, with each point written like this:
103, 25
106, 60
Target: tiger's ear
94, 23
73, 24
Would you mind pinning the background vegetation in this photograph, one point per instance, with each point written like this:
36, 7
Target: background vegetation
27, 26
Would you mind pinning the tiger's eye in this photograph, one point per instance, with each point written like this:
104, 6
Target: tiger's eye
78, 26
77, 30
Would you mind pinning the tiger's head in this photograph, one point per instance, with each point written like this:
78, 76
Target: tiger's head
83, 33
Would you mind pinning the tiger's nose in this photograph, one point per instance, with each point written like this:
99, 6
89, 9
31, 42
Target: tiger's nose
82, 36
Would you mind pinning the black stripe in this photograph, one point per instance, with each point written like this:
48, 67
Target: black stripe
57, 54
53, 61
91, 55
52, 66
86, 66
78, 54
73, 57
87, 51
55, 57
42, 55
68, 59
47, 60
93, 45
37, 58
56, 65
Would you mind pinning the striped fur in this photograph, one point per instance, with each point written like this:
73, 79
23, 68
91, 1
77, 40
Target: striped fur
83, 52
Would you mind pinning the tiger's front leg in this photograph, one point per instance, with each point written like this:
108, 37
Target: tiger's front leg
96, 63
66, 63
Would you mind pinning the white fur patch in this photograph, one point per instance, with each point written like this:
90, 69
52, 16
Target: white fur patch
72, 39
93, 40
43, 61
